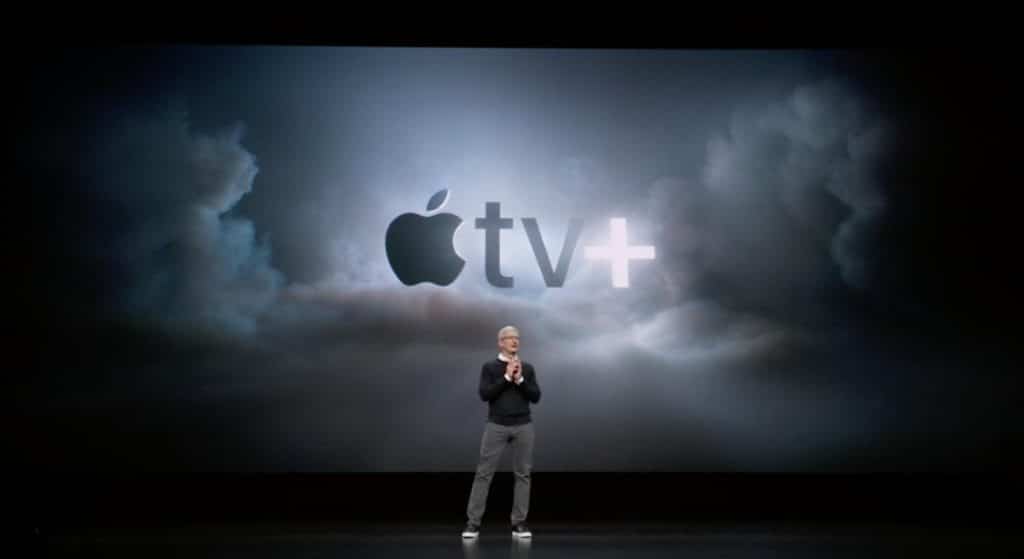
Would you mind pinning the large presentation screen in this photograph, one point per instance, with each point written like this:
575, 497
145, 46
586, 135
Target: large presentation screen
297, 259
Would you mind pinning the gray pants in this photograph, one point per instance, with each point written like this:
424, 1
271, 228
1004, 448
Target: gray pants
495, 439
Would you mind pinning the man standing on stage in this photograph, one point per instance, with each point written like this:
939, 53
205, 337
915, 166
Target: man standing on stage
509, 386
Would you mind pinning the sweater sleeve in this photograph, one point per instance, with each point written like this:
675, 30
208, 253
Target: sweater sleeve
530, 387
491, 389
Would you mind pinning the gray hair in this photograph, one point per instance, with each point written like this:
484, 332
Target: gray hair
507, 330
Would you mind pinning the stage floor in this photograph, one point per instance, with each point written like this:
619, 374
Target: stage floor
562, 541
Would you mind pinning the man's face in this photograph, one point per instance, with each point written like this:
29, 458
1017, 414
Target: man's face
509, 343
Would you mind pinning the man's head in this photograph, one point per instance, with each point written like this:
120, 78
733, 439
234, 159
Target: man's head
508, 340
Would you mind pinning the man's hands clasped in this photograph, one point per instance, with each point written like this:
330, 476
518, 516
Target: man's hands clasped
514, 371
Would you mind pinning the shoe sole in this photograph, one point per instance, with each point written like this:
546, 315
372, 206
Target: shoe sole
526, 535
470, 534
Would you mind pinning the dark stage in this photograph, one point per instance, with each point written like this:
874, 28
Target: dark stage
572, 514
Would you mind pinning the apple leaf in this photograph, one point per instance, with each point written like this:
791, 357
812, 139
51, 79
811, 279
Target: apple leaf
437, 200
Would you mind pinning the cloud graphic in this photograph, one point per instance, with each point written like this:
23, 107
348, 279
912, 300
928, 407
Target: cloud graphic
817, 159
179, 253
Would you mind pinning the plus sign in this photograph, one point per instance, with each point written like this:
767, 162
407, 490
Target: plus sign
619, 253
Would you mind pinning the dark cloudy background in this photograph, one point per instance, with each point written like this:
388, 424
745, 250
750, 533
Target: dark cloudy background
203, 284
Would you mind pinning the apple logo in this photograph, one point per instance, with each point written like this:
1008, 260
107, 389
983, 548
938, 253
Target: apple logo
420, 248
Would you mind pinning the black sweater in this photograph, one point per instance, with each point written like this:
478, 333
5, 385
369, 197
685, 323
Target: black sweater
509, 402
